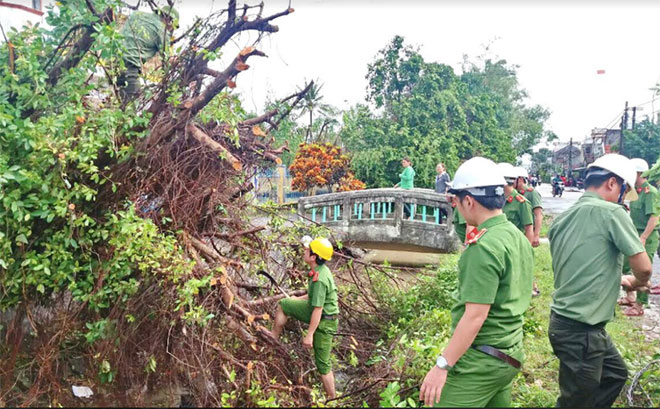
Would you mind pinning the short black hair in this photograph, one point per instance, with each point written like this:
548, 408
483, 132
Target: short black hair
319, 260
598, 180
489, 202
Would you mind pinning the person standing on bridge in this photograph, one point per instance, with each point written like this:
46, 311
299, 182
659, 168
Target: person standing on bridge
407, 181
442, 179
484, 354
587, 245
644, 213
318, 308
516, 208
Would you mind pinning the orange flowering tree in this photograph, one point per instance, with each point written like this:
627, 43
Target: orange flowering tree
321, 165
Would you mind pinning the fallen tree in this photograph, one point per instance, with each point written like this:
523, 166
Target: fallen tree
126, 242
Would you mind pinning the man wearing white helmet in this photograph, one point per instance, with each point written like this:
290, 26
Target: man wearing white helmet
484, 354
644, 213
518, 210
587, 244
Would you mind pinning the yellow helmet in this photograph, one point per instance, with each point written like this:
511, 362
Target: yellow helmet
321, 247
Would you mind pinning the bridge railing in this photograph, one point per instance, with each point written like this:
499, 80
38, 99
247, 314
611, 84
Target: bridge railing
419, 217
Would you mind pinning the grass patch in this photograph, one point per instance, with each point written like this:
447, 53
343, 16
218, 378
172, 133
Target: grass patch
545, 224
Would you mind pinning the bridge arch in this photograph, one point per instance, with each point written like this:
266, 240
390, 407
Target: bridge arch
374, 218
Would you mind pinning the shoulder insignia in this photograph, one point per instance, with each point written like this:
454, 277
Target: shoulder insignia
647, 189
521, 191
509, 199
521, 199
314, 275
639, 190
474, 235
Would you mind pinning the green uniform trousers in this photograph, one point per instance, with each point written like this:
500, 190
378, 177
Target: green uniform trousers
129, 82
480, 380
651, 247
591, 371
302, 311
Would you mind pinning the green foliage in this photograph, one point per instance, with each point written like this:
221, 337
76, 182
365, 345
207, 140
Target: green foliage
390, 397
418, 331
57, 147
643, 142
653, 174
430, 114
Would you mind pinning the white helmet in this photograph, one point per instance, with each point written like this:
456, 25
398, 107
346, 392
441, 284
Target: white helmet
620, 166
640, 164
475, 175
508, 171
521, 172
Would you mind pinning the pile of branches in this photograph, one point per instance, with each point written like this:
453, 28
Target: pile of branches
191, 178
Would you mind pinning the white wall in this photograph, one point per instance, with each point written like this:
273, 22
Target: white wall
17, 18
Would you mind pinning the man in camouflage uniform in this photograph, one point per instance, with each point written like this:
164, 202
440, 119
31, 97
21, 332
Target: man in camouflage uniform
145, 35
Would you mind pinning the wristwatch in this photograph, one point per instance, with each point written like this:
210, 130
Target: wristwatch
442, 363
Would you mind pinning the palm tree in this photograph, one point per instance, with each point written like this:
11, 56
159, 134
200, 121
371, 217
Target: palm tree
313, 103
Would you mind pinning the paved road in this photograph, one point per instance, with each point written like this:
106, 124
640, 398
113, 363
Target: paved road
557, 205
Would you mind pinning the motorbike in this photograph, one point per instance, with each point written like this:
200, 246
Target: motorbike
557, 189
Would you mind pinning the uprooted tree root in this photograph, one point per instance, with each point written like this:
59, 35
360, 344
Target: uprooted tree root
191, 179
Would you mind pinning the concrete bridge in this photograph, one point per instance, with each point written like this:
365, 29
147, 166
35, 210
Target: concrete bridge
375, 218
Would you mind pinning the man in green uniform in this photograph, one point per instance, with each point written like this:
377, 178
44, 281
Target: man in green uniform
407, 181
145, 34
484, 354
644, 213
534, 199
318, 308
460, 225
517, 209
587, 244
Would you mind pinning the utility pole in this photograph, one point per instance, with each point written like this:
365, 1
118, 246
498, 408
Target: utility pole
570, 158
634, 115
624, 125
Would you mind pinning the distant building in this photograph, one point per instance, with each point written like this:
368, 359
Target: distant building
601, 141
17, 13
565, 153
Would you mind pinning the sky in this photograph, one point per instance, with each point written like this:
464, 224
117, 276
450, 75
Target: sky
558, 46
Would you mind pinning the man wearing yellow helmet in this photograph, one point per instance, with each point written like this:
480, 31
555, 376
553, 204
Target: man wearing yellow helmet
318, 308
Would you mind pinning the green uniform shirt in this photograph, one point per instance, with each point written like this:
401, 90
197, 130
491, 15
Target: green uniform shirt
144, 35
460, 225
518, 210
407, 178
496, 269
323, 292
533, 196
647, 205
587, 244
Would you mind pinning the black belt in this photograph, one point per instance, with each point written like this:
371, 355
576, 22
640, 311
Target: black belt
328, 317
573, 324
496, 353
